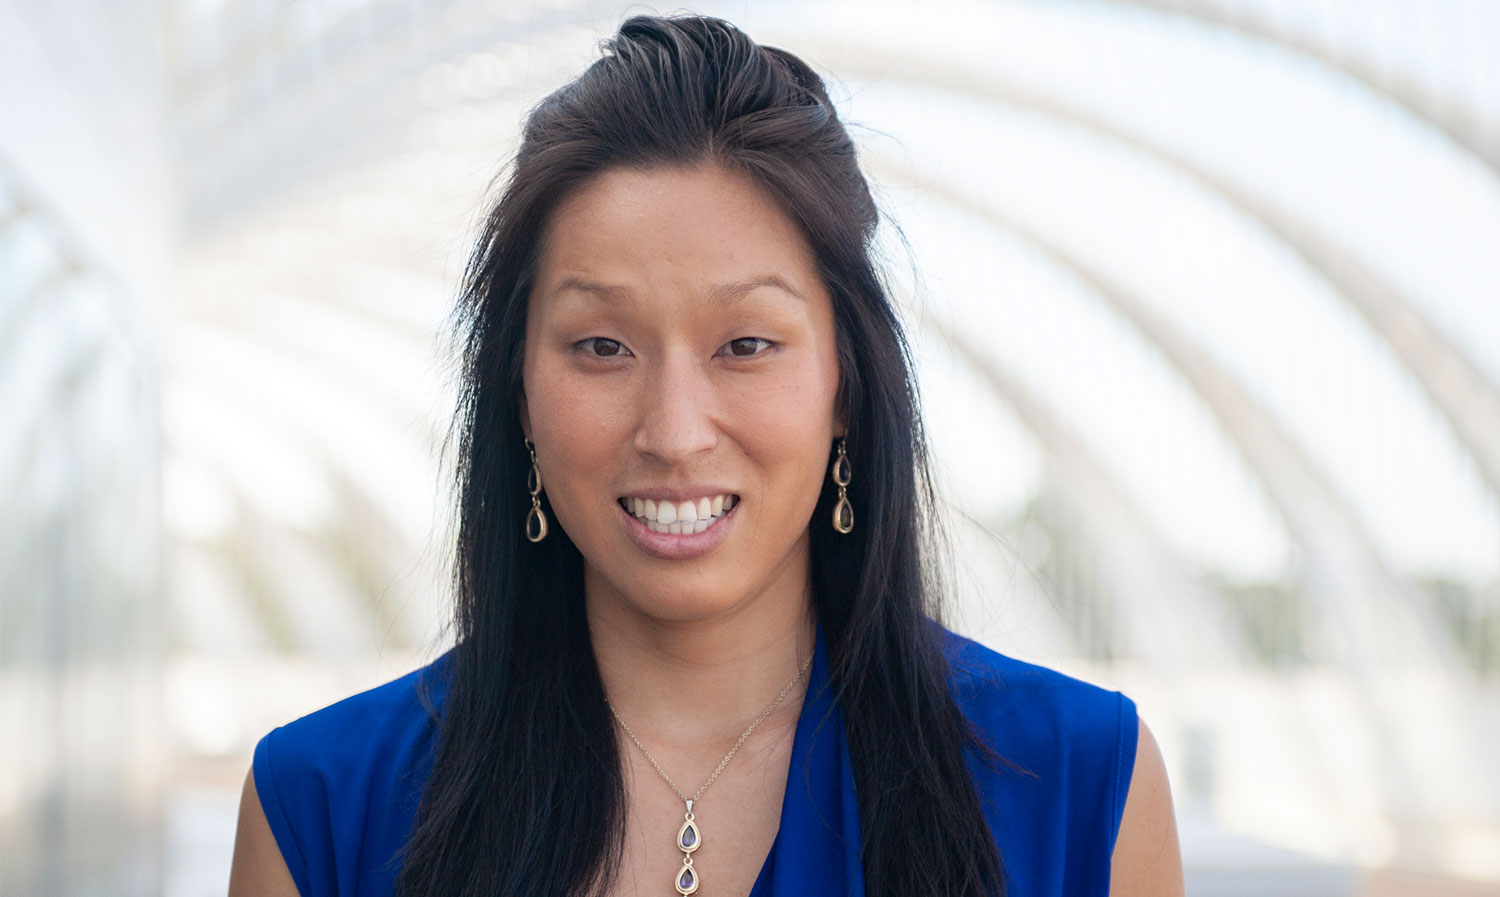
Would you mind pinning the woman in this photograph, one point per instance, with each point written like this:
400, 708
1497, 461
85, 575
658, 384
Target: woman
693, 501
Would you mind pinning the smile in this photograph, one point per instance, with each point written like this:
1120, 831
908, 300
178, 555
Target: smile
679, 517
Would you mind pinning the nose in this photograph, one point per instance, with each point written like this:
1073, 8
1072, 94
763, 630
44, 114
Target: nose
677, 419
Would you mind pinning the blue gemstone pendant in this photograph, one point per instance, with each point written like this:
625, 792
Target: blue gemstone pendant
688, 840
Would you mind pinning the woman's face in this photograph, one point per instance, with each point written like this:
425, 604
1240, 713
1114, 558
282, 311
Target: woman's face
680, 355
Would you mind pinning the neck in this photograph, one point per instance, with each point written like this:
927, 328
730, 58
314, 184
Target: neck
696, 684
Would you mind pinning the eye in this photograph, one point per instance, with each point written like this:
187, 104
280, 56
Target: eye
746, 346
602, 347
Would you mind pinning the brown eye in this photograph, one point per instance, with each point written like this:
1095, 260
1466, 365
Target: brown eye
746, 346
603, 347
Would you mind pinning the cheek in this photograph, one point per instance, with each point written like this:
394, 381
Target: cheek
786, 428
573, 429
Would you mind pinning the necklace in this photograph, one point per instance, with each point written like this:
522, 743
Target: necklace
688, 837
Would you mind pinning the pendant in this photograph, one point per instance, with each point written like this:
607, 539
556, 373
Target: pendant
688, 840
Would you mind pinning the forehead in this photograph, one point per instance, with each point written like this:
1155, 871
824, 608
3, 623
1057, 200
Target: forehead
673, 228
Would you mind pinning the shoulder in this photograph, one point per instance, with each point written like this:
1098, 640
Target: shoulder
991, 684
1076, 741
365, 720
355, 735
344, 781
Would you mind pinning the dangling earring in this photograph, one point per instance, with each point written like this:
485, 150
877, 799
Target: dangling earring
536, 520
843, 472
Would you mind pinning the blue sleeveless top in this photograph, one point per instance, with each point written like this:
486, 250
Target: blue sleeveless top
340, 787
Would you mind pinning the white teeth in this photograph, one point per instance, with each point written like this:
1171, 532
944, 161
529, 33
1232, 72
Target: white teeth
679, 517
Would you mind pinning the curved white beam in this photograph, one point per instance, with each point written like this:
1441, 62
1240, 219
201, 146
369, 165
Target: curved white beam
1367, 619
1169, 619
1466, 131
1466, 398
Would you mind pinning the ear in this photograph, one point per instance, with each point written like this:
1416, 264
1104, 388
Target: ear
840, 421
525, 418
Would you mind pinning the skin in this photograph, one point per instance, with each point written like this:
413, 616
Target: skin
625, 343
636, 378
258, 868
1147, 861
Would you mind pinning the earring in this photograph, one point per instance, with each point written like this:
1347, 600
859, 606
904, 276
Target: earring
843, 472
536, 520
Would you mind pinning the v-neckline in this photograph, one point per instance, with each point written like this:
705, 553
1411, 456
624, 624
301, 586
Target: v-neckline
816, 848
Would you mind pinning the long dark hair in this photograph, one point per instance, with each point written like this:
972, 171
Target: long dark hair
526, 796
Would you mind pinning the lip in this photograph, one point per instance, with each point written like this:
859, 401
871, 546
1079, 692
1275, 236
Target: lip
670, 547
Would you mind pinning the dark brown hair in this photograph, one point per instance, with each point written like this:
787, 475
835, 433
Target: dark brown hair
526, 796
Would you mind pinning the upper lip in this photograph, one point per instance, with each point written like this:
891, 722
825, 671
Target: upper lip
678, 493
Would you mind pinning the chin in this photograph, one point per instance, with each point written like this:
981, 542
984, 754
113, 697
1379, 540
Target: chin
684, 605
680, 591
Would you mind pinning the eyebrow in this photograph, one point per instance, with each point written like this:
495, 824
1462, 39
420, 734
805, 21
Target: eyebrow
722, 294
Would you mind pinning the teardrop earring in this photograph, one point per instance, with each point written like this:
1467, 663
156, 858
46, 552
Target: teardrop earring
843, 472
536, 519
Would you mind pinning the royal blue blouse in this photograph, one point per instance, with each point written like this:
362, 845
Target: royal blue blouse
340, 787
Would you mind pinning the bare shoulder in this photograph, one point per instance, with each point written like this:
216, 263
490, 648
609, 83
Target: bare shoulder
1147, 858
258, 869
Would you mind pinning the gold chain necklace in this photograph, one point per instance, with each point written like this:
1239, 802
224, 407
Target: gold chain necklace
688, 837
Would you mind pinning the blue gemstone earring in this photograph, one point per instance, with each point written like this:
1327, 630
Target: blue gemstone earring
843, 472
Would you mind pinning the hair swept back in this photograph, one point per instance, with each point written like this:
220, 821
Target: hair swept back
526, 795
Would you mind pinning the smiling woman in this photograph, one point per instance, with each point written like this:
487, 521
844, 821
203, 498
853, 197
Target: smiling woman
694, 504
679, 321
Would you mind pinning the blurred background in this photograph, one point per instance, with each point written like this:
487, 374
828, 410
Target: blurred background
1206, 299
